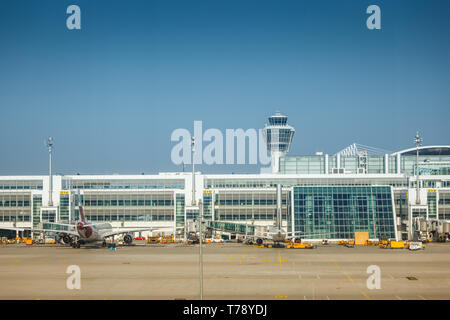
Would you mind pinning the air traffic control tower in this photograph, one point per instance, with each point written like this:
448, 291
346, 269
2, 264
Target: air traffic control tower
278, 135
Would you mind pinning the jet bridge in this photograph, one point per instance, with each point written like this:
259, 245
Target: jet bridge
237, 228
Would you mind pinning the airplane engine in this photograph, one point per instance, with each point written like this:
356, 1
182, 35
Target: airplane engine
67, 239
259, 241
128, 239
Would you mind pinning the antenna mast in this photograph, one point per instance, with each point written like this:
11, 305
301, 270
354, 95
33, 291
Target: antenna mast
50, 149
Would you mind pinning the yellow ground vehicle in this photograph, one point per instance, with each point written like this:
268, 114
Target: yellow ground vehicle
152, 239
383, 244
295, 245
350, 243
396, 244
371, 243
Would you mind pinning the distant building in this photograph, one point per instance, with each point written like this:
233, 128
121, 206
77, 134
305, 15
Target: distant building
324, 196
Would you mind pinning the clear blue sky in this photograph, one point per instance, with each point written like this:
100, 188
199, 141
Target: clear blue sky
112, 93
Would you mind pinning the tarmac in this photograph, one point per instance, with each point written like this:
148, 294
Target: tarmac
231, 271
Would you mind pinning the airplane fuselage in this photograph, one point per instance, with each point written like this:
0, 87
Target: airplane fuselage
92, 232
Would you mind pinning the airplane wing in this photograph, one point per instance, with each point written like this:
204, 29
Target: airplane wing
114, 233
72, 233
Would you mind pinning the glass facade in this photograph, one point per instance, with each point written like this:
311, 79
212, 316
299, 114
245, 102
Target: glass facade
191, 214
375, 164
303, 165
208, 207
20, 184
48, 216
426, 162
179, 210
126, 184
419, 213
432, 205
64, 206
336, 180
444, 205
37, 203
338, 212
127, 206
15, 207
248, 205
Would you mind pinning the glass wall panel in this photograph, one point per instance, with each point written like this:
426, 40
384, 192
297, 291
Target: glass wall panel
338, 212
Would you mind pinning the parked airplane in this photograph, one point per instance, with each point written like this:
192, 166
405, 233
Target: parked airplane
87, 232
277, 235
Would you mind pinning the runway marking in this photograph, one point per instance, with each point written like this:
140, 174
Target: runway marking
251, 259
231, 258
349, 278
285, 260
16, 261
265, 260
365, 295
421, 297
246, 251
281, 297
61, 261
279, 258
335, 263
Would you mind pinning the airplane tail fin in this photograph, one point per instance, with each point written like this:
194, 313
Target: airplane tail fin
80, 207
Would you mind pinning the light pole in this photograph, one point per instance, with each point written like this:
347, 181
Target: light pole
417, 141
15, 226
22, 219
410, 230
200, 218
193, 169
50, 148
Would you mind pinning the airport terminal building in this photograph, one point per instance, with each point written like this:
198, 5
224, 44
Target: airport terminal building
323, 196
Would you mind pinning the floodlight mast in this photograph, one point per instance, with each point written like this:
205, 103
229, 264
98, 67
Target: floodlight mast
418, 142
50, 149
193, 169
200, 219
